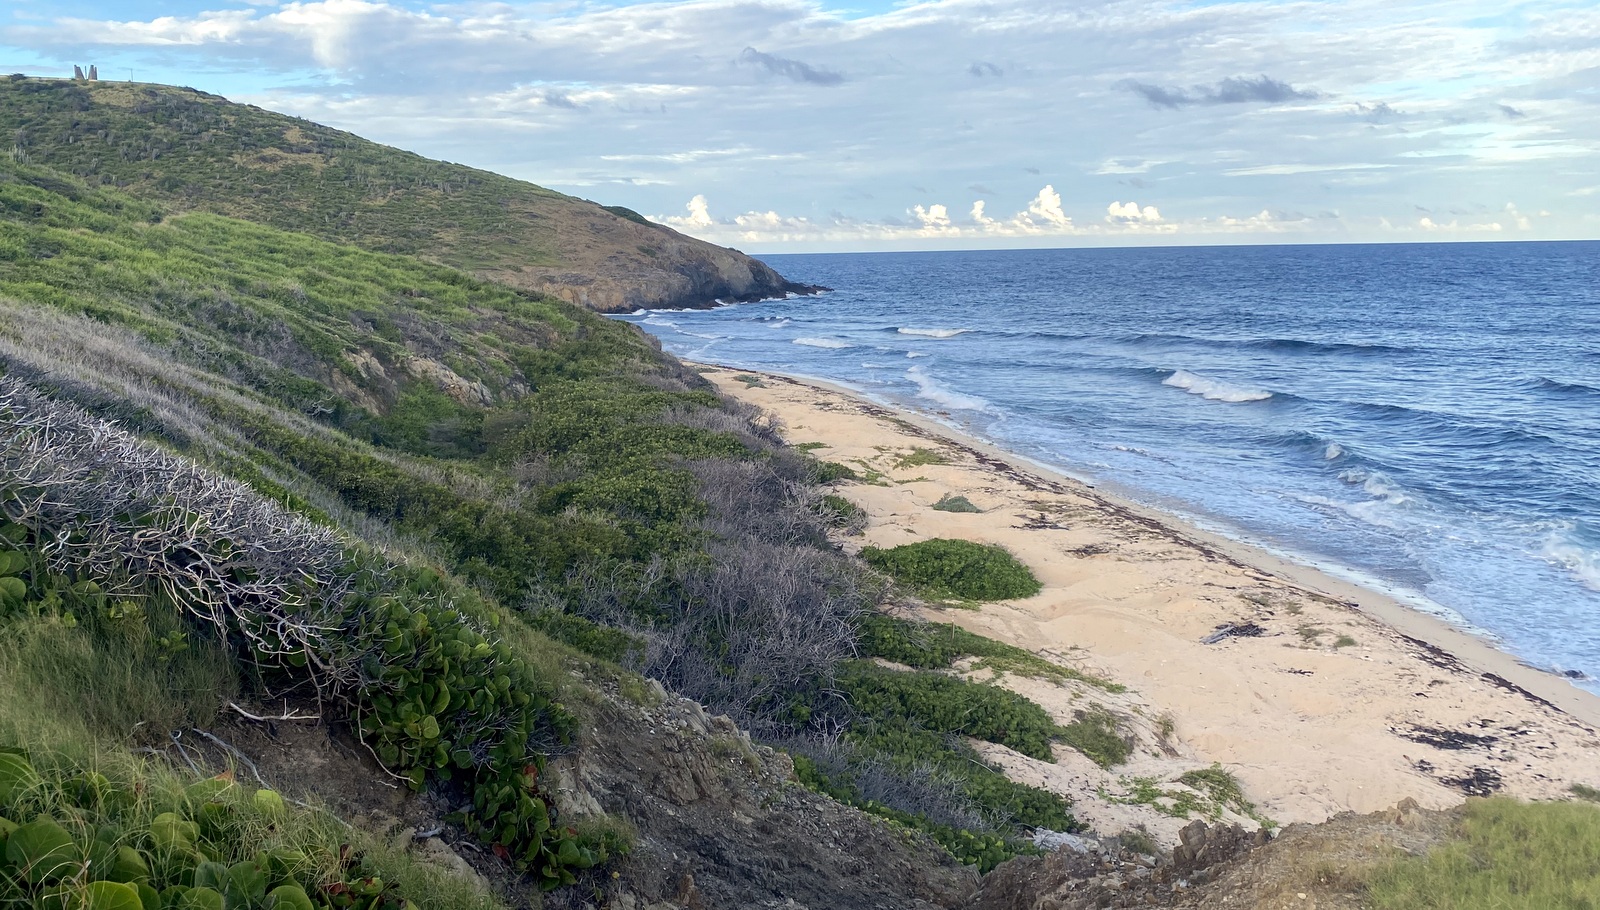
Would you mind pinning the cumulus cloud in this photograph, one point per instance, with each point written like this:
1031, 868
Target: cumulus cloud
789, 69
1232, 90
1047, 208
1130, 213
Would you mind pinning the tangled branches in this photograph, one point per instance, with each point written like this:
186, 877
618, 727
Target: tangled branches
106, 502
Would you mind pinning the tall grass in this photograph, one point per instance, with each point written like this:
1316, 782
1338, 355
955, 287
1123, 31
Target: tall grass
1509, 856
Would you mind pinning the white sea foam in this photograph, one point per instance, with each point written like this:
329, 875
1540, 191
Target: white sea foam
1213, 389
934, 333
937, 392
1581, 562
778, 323
832, 343
1333, 450
661, 321
915, 354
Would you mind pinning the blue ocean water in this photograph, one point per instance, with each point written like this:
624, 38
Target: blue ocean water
1425, 418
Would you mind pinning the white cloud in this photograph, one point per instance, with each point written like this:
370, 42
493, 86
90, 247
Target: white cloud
935, 217
657, 100
1047, 208
1130, 213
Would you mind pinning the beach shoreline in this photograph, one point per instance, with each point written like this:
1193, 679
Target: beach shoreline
1411, 707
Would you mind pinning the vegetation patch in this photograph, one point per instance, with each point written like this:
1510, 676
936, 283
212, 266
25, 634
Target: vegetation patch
1511, 855
1584, 791
1097, 733
937, 646
919, 456
961, 569
1207, 792
842, 514
948, 503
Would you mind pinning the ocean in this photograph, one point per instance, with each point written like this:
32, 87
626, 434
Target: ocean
1421, 418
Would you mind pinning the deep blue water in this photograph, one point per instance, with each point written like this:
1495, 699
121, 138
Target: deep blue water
1422, 417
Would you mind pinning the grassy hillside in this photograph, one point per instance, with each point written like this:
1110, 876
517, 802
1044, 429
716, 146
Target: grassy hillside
191, 151
421, 501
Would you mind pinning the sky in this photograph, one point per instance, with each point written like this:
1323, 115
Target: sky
805, 125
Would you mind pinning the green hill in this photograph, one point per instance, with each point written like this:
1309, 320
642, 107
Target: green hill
191, 151
452, 519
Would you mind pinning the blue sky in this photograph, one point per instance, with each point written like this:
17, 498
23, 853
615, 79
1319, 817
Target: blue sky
793, 125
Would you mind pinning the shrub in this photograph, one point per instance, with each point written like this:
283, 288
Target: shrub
946, 704
827, 472
842, 514
955, 569
948, 503
1096, 733
938, 645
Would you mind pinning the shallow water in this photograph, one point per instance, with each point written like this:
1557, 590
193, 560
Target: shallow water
1425, 418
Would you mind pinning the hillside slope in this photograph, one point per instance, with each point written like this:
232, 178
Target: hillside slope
474, 512
194, 151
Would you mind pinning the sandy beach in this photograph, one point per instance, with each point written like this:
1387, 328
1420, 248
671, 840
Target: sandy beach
1327, 697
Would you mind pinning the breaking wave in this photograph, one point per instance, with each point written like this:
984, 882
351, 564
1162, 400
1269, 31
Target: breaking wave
1213, 389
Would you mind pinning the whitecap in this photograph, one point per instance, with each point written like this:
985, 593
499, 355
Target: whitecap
934, 333
1581, 562
1213, 389
915, 354
1333, 451
832, 343
937, 392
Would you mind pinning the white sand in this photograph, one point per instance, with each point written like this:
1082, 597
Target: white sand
1309, 726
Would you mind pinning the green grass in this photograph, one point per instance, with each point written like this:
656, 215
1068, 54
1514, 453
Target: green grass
948, 503
961, 569
1584, 791
1508, 856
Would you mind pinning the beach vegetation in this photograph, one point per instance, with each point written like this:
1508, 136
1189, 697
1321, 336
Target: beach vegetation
1098, 734
1507, 854
1310, 634
948, 503
843, 515
1584, 791
750, 380
1344, 641
919, 457
960, 569
830, 472
1204, 792
938, 646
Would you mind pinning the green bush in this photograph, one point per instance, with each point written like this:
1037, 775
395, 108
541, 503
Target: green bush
946, 704
1097, 734
955, 569
948, 503
938, 645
